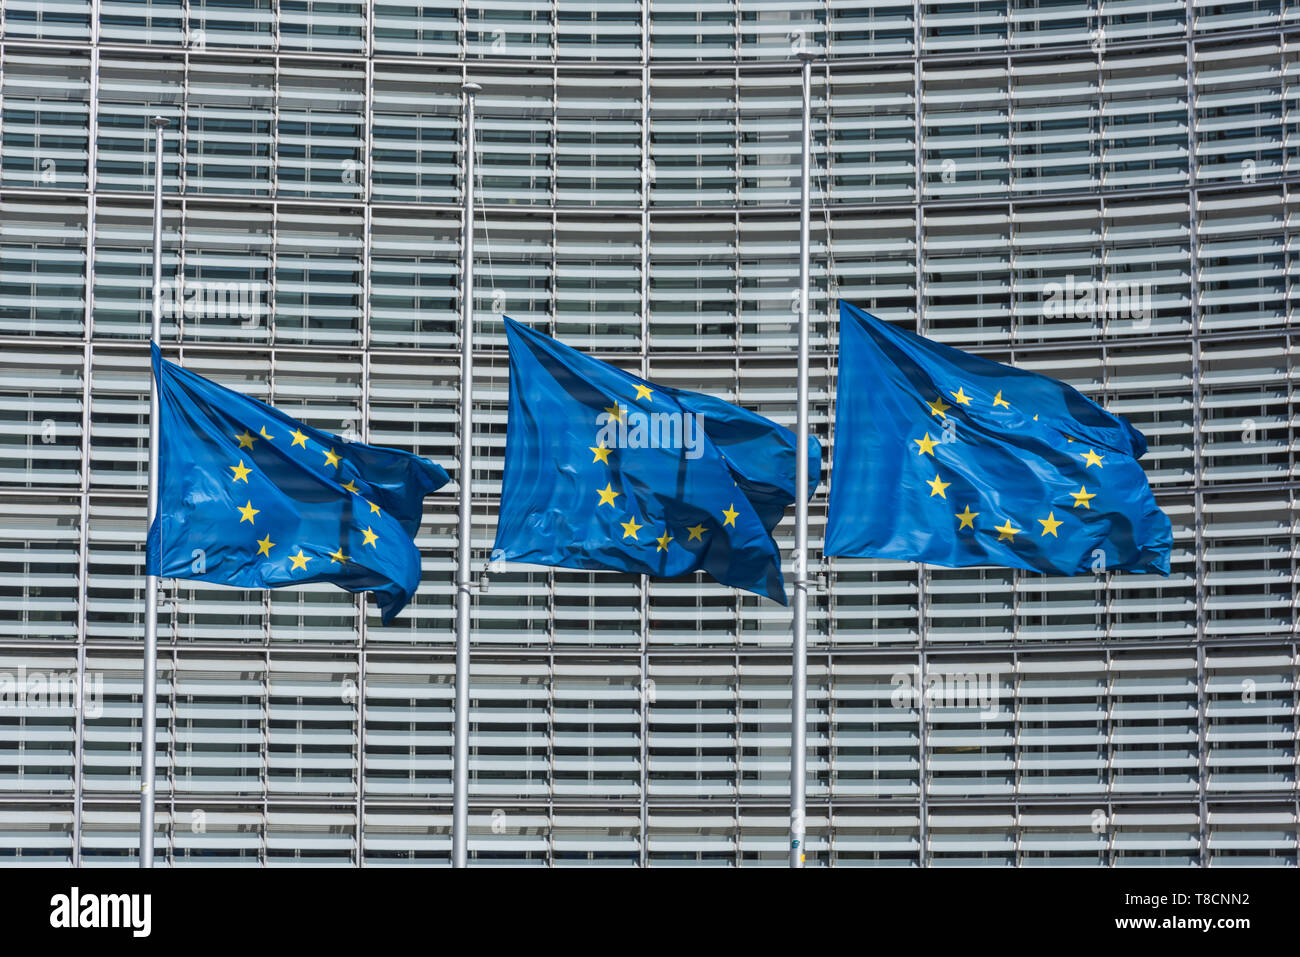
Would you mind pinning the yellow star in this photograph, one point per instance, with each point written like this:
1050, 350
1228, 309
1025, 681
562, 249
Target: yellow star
630, 527
371, 538
731, 515
300, 560
299, 439
1083, 497
265, 436
248, 512
246, 441
937, 486
331, 458
616, 411
960, 396
926, 444
373, 506
338, 556
351, 487
1035, 417
1007, 531
1050, 524
939, 407
998, 400
607, 495
663, 541
241, 473
264, 546
967, 518
601, 453
642, 392
697, 532
1092, 458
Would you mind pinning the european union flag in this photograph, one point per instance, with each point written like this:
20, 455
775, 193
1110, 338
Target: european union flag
607, 471
252, 498
947, 458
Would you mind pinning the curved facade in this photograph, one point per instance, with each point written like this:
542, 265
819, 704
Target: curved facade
978, 166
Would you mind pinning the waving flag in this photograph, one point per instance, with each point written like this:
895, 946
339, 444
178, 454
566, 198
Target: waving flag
607, 471
252, 498
947, 458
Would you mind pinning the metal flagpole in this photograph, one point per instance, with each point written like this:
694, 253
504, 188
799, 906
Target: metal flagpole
799, 665
460, 755
149, 667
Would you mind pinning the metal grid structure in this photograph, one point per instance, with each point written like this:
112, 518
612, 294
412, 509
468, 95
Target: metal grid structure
639, 167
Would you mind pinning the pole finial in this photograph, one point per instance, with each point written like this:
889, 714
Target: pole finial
158, 122
470, 88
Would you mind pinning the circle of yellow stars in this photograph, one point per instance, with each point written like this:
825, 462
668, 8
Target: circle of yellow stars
248, 513
1007, 532
608, 494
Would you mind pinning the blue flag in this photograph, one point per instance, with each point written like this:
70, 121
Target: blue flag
947, 458
252, 498
607, 471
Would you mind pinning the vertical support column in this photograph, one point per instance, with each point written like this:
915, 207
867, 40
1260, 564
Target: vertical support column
367, 212
550, 756
644, 610
268, 630
1017, 806
1194, 292
922, 732
799, 664
460, 754
264, 849
171, 727
87, 397
1202, 757
922, 578
1109, 725
149, 665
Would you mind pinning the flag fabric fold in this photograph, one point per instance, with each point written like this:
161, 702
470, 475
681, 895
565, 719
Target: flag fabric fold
604, 470
252, 498
947, 458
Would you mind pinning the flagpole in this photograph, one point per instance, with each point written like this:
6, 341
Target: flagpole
149, 666
799, 665
460, 755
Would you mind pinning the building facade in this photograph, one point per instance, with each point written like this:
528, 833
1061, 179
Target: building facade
1099, 191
